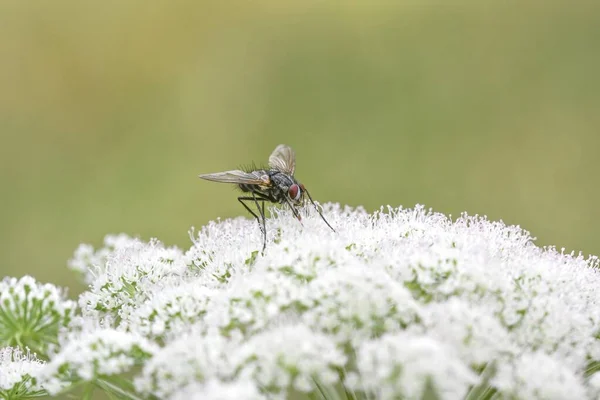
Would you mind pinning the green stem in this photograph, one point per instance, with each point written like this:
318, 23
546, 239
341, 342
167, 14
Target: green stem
88, 391
116, 389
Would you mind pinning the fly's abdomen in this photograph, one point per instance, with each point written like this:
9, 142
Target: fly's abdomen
248, 188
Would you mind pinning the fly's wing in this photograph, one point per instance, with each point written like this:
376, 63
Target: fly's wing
283, 159
237, 176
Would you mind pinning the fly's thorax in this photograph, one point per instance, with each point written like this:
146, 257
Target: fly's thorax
286, 188
281, 180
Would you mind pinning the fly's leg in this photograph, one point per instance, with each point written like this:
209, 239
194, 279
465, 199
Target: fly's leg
294, 210
261, 223
317, 208
264, 222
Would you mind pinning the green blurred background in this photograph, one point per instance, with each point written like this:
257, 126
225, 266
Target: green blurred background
109, 111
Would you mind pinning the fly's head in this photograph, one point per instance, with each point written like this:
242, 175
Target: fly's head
296, 193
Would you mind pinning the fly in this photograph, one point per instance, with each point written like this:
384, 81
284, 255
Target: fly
276, 185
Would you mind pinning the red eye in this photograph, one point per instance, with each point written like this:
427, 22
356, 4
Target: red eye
294, 192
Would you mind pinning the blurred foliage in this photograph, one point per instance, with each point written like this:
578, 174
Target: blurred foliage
109, 110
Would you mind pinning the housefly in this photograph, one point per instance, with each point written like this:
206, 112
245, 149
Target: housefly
276, 185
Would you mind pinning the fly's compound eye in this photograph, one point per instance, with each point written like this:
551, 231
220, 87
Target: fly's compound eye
294, 192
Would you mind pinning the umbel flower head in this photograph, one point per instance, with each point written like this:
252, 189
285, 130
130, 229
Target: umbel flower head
18, 372
31, 313
401, 303
94, 355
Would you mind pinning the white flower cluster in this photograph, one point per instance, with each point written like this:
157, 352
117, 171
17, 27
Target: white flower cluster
192, 357
31, 313
128, 269
393, 304
86, 356
18, 370
400, 365
290, 356
89, 262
